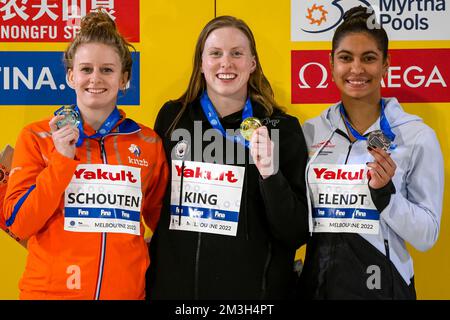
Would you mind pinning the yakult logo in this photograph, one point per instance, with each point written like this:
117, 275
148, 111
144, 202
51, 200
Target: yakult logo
100, 174
415, 75
200, 173
339, 174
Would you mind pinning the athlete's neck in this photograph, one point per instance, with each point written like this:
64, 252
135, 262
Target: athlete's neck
227, 105
361, 113
95, 117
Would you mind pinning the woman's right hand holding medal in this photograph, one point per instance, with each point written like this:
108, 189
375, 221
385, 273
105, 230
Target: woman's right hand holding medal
262, 151
64, 138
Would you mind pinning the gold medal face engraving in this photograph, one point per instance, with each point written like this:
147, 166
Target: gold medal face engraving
249, 125
71, 117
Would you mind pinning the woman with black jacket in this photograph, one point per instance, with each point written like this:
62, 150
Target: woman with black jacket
235, 211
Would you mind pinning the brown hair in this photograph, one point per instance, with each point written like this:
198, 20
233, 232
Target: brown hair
259, 88
98, 27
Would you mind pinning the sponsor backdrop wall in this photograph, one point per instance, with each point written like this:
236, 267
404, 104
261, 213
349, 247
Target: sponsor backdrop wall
293, 39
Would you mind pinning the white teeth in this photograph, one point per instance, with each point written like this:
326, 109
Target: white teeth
226, 76
356, 82
95, 91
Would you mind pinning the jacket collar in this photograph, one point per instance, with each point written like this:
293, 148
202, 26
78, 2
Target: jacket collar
124, 125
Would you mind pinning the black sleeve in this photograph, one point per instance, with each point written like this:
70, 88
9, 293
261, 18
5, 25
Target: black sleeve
162, 121
284, 193
381, 197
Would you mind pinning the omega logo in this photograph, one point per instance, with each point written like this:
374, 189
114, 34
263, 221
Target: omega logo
397, 77
304, 85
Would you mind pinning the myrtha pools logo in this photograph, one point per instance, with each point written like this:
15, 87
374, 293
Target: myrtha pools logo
316, 20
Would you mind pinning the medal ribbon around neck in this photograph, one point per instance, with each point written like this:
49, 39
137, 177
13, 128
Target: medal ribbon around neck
384, 125
213, 118
104, 129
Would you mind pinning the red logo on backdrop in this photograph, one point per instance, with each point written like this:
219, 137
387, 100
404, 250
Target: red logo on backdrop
415, 75
59, 20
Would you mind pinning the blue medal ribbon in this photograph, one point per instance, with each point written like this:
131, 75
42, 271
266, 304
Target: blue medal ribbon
104, 129
213, 118
384, 125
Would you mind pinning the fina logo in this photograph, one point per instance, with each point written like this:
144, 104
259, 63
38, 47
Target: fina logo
318, 16
134, 149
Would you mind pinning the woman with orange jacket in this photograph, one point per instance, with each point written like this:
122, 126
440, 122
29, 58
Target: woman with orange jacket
79, 191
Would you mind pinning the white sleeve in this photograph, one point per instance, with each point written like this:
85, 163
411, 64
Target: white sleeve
414, 211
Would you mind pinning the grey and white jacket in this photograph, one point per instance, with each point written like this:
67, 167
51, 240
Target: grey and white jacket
413, 213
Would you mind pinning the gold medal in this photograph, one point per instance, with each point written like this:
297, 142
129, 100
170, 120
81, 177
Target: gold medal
249, 125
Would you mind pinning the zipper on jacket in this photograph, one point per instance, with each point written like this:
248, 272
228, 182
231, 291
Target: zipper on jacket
266, 271
196, 267
199, 238
180, 206
336, 236
103, 239
348, 152
388, 256
102, 150
100, 267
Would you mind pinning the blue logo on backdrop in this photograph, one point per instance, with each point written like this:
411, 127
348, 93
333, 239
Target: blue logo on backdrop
39, 78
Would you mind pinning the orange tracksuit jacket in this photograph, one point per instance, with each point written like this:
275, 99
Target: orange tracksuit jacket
81, 265
2, 195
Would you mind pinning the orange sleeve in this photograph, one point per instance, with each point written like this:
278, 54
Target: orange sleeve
36, 184
2, 197
156, 189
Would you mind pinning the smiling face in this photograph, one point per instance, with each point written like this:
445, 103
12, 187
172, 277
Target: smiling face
358, 67
96, 76
227, 63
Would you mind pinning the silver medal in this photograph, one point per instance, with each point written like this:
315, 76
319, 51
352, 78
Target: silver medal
377, 139
71, 117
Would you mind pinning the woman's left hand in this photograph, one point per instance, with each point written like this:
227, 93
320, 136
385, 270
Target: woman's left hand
261, 149
382, 169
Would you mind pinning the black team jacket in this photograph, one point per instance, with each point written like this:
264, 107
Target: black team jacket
273, 222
